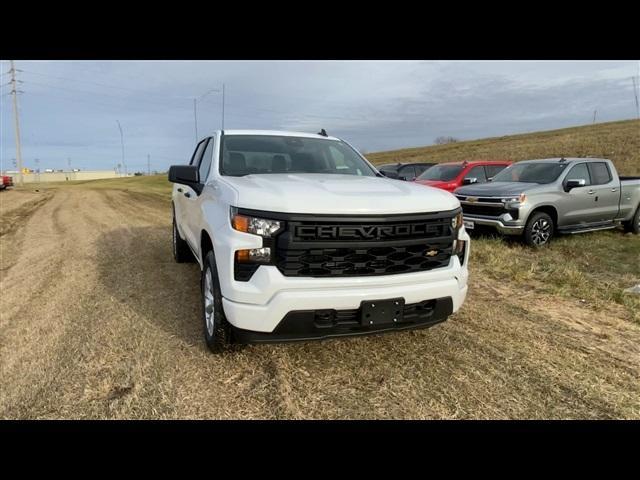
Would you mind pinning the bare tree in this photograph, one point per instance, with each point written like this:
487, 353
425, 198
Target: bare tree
444, 140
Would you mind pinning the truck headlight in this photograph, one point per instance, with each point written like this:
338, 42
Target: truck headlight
456, 223
519, 199
258, 226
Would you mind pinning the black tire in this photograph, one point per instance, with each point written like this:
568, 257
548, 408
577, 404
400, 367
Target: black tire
539, 230
217, 335
181, 251
633, 225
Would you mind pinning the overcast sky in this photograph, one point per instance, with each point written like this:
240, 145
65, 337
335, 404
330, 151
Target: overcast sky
69, 108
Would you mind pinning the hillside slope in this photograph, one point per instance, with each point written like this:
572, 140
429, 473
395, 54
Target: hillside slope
617, 141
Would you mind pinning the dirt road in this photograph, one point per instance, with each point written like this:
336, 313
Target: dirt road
97, 321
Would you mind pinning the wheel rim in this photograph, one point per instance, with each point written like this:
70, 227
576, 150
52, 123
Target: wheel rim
541, 232
209, 308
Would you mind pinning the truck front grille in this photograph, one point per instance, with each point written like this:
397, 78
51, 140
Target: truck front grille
319, 246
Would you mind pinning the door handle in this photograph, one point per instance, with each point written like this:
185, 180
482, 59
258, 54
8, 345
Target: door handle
591, 192
614, 189
187, 194
180, 190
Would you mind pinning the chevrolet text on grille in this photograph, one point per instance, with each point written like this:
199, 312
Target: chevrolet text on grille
367, 231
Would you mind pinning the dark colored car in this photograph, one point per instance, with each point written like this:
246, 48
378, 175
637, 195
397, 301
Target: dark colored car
450, 176
404, 171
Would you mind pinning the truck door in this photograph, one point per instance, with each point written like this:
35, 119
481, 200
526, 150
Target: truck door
606, 192
194, 216
183, 196
575, 205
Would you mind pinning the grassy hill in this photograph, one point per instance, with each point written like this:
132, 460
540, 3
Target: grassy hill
617, 141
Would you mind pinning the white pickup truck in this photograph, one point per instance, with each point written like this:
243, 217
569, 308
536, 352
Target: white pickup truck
298, 237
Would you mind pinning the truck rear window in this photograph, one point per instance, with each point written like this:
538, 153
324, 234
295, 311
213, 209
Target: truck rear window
443, 173
268, 154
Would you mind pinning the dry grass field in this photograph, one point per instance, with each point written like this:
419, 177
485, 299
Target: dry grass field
97, 321
617, 141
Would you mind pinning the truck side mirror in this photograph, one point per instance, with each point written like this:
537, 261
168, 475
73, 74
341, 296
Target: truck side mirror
184, 174
469, 180
574, 183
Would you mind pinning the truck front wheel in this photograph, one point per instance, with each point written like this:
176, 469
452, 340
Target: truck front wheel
217, 332
633, 225
539, 230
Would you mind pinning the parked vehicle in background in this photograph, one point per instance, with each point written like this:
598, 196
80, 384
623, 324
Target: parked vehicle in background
404, 171
450, 176
539, 198
7, 181
298, 237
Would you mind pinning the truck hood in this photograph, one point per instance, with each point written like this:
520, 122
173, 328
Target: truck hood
496, 189
337, 194
448, 186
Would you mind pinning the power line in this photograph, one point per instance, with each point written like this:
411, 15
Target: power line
124, 99
101, 85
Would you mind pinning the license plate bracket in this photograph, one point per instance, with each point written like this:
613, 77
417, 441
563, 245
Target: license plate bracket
469, 225
381, 312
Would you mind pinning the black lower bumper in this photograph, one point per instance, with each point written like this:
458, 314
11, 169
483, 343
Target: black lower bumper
320, 324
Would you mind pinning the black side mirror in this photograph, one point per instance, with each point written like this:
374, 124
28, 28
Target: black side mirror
185, 174
574, 183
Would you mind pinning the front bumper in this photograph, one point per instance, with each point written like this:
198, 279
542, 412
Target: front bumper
503, 227
320, 324
261, 304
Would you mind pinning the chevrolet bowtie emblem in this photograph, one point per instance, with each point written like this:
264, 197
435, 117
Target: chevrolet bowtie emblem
431, 253
472, 199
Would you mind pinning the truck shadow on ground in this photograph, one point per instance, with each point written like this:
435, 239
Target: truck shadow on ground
136, 267
138, 272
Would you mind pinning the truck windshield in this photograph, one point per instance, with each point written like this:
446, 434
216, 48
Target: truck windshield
266, 154
443, 173
531, 172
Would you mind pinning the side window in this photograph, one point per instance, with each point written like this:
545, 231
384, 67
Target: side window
579, 172
477, 172
420, 169
600, 173
408, 172
195, 158
493, 170
205, 163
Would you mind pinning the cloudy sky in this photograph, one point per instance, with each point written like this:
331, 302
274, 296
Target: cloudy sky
69, 109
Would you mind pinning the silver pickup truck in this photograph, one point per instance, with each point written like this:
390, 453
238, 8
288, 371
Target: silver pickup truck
538, 198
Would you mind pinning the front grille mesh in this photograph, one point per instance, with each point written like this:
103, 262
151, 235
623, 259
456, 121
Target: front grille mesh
430, 247
363, 261
483, 210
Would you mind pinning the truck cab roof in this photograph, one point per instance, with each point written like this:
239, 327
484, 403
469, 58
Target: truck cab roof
279, 133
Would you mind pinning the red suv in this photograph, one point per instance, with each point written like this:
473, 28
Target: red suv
450, 176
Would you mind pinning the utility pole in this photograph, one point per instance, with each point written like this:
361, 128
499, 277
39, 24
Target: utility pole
635, 93
195, 119
122, 142
595, 112
14, 92
148, 164
195, 107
